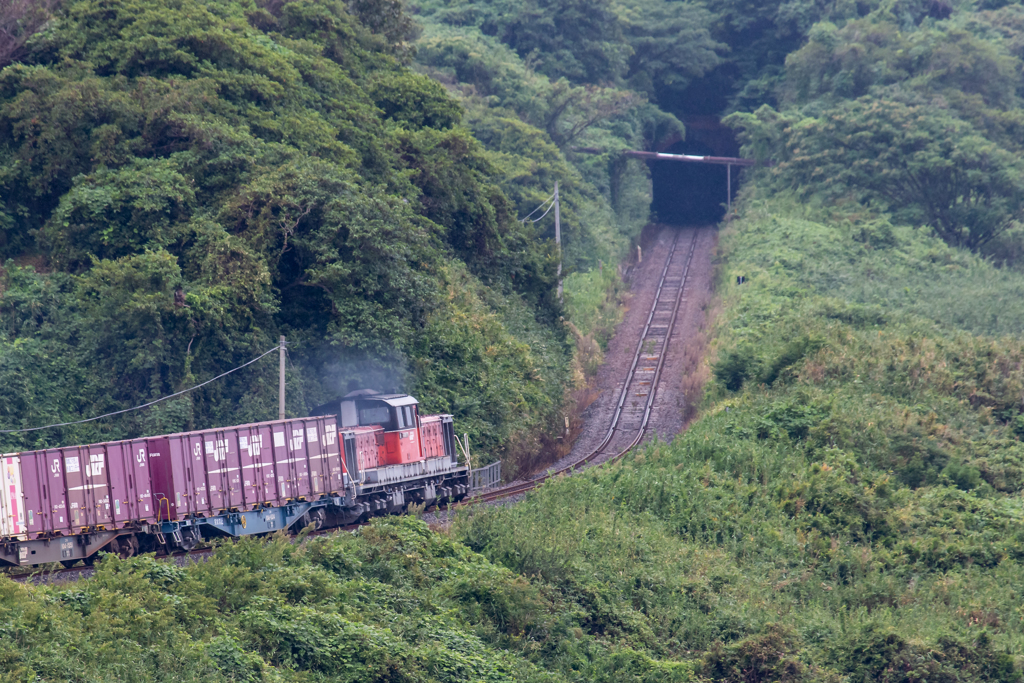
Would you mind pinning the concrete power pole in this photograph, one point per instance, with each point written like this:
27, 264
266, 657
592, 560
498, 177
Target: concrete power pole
558, 241
728, 185
280, 384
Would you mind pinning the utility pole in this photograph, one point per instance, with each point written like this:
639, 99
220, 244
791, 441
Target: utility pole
280, 384
728, 183
558, 241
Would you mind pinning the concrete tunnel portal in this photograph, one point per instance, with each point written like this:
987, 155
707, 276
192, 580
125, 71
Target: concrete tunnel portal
694, 193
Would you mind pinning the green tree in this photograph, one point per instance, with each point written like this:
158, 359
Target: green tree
928, 165
19, 21
190, 178
581, 40
873, 51
671, 44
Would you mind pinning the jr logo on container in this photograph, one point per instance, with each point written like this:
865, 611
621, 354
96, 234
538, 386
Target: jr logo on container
218, 449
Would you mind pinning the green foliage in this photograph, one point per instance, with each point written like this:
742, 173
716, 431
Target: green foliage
580, 40
537, 127
530, 124
915, 105
926, 164
847, 505
273, 611
735, 367
117, 213
670, 43
653, 46
388, 20
415, 101
196, 178
868, 53
760, 657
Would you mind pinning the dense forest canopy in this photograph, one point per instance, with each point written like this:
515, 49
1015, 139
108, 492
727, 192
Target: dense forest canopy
182, 181
280, 169
352, 175
913, 106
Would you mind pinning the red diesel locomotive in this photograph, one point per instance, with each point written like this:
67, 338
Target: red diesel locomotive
362, 455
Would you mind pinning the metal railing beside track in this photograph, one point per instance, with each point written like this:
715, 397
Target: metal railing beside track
485, 477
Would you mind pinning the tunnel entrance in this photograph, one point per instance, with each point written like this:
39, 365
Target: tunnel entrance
694, 193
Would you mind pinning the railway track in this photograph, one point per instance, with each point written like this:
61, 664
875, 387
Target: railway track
633, 409
629, 422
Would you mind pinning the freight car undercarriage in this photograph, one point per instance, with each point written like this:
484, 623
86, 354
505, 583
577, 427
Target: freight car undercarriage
359, 503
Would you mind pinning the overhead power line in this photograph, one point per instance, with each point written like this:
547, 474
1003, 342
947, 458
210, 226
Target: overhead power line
538, 220
144, 405
542, 205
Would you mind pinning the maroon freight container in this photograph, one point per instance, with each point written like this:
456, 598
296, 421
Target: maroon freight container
88, 486
284, 464
188, 449
130, 493
319, 467
296, 433
249, 449
233, 465
332, 450
268, 470
323, 454
223, 470
215, 450
269, 463
177, 475
46, 507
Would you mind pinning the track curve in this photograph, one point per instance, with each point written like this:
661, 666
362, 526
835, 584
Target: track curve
629, 422
631, 417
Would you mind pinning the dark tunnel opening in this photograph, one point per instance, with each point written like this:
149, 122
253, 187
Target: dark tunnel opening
693, 193
688, 193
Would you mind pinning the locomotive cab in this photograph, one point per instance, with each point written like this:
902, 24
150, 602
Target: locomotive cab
396, 414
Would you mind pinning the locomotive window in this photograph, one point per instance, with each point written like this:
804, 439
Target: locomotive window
408, 416
377, 415
402, 424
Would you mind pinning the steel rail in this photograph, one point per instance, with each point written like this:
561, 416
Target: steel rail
525, 486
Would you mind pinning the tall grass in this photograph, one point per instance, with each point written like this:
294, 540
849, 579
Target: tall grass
847, 506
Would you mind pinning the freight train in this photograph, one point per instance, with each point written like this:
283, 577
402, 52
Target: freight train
363, 455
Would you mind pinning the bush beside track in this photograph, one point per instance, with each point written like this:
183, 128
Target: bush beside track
848, 511
846, 507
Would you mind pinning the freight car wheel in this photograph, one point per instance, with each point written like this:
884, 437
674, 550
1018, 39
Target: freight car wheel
189, 539
315, 517
127, 546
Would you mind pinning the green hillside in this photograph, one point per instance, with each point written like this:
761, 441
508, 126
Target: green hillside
845, 507
182, 182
